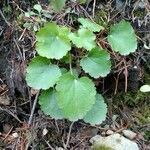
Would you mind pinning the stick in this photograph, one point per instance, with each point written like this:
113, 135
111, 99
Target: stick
68, 137
1, 13
33, 108
94, 3
11, 113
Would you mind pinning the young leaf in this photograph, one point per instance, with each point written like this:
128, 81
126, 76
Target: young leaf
58, 4
49, 105
97, 63
75, 96
38, 8
92, 26
122, 38
41, 74
98, 112
53, 41
83, 38
145, 88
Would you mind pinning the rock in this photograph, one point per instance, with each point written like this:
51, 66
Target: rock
15, 135
4, 100
103, 133
109, 132
129, 134
114, 142
45, 131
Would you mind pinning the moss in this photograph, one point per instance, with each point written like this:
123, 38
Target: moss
140, 13
2, 144
132, 99
142, 115
147, 135
147, 77
139, 102
101, 18
101, 147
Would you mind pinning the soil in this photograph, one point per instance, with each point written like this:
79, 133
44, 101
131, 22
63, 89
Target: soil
126, 109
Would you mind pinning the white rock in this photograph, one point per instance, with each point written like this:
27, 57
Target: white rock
15, 135
109, 132
115, 141
45, 131
129, 134
103, 133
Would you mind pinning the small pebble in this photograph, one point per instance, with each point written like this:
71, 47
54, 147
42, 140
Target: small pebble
15, 135
109, 132
103, 133
129, 134
114, 141
4, 100
45, 131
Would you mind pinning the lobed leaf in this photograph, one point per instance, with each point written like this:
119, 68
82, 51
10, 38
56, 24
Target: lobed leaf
48, 103
75, 96
38, 8
122, 38
53, 41
83, 39
92, 26
96, 63
98, 112
58, 4
41, 74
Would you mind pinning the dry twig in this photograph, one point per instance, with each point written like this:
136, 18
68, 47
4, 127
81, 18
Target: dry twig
1, 13
68, 137
33, 108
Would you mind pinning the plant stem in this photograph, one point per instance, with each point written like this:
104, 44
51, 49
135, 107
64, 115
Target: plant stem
68, 137
70, 63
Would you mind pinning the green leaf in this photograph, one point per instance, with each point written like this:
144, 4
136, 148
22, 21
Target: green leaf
41, 74
75, 96
83, 39
65, 59
122, 38
82, 1
29, 14
92, 26
97, 63
49, 105
63, 70
145, 88
53, 41
98, 112
58, 4
38, 8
